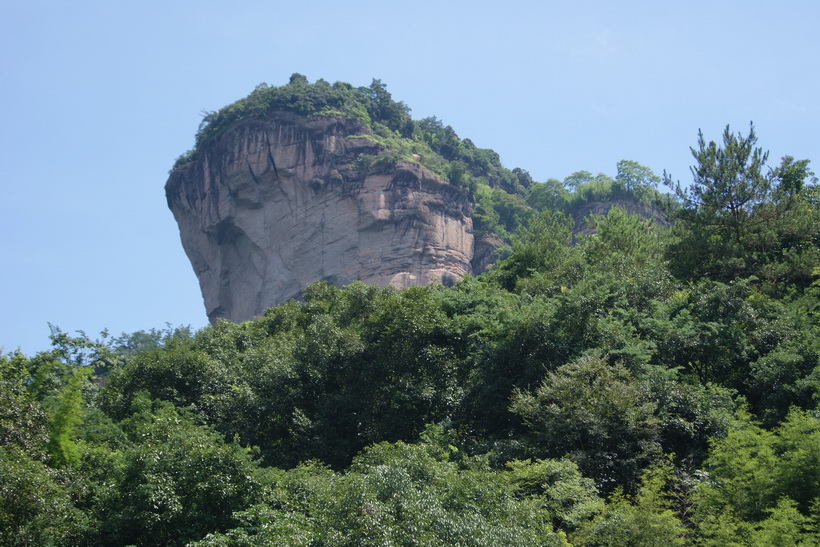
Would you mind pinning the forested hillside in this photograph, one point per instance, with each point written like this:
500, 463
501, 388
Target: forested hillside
646, 381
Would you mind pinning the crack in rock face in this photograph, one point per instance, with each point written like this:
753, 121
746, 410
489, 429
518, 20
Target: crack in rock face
273, 205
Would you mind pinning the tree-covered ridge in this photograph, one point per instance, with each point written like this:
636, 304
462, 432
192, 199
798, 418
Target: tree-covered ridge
636, 385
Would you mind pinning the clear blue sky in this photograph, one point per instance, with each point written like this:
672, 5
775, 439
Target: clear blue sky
98, 98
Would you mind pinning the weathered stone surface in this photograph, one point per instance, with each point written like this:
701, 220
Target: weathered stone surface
273, 205
484, 254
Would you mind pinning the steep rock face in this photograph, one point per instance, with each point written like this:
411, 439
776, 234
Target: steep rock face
270, 206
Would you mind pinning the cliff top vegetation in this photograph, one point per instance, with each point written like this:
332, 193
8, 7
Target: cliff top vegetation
505, 198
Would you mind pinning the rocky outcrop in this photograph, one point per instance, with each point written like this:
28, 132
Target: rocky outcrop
272, 205
601, 208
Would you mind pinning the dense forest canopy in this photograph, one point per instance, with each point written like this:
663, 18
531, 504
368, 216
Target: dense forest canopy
637, 383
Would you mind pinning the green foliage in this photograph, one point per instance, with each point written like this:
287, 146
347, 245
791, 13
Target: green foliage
470, 161
630, 249
714, 330
178, 482
786, 526
595, 414
34, 508
568, 497
178, 375
788, 374
633, 183
674, 370
548, 195
690, 413
728, 182
635, 177
135, 343
540, 248
66, 416
646, 519
297, 96
410, 495
382, 108
752, 470
737, 220
378, 363
22, 419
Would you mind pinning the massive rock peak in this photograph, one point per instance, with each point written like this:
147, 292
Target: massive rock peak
273, 204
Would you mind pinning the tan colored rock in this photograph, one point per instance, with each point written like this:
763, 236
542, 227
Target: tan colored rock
273, 205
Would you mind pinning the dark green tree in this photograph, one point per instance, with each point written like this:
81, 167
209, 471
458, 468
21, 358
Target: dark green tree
178, 481
35, 508
739, 219
23, 423
382, 108
597, 415
728, 182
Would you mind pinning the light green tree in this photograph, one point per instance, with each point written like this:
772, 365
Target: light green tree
635, 177
646, 519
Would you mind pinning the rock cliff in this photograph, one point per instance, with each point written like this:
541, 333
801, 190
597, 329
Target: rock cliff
273, 204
